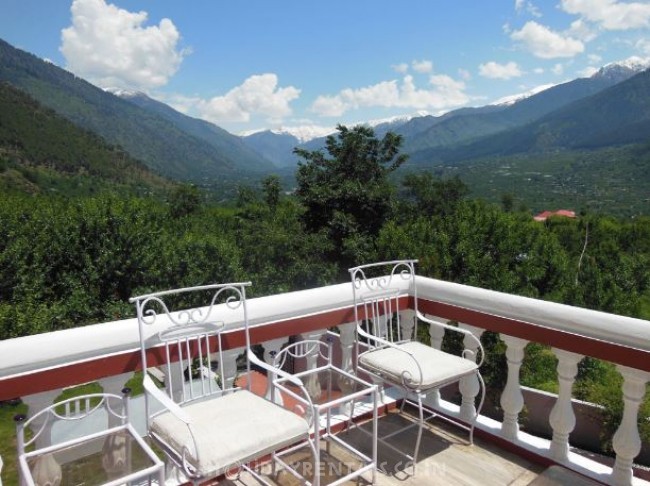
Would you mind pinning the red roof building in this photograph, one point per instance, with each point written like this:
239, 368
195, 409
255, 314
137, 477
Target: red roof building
544, 215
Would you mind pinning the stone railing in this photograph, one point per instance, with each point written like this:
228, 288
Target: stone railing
36, 368
573, 333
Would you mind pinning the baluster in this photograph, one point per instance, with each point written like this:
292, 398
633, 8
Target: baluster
114, 384
312, 383
228, 367
271, 349
562, 418
347, 335
45, 470
116, 456
174, 379
626, 441
436, 335
407, 324
512, 400
469, 386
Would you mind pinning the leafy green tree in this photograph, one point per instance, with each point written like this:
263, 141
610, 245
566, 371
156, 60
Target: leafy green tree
272, 189
432, 195
184, 200
348, 194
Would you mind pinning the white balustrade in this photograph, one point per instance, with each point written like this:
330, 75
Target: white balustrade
271, 349
562, 418
436, 335
626, 441
347, 339
228, 366
469, 386
45, 470
313, 385
407, 323
512, 400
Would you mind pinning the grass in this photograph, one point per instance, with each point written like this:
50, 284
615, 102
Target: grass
8, 440
8, 429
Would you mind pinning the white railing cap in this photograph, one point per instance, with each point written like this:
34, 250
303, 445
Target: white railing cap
613, 328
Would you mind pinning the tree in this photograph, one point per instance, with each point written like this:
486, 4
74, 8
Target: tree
348, 195
272, 188
184, 200
433, 195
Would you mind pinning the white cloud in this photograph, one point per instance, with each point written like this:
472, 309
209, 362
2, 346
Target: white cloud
527, 6
587, 72
611, 14
581, 30
401, 68
422, 66
538, 70
558, 69
111, 47
444, 93
464, 74
257, 95
499, 71
595, 58
545, 43
643, 45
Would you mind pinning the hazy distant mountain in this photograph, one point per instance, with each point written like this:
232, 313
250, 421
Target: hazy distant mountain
425, 134
276, 147
461, 126
148, 136
231, 146
615, 116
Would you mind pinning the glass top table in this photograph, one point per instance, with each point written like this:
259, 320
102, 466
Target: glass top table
115, 456
334, 397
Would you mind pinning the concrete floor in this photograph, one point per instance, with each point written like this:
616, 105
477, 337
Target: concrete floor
445, 458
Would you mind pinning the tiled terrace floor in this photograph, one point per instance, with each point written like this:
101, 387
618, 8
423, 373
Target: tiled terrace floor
446, 459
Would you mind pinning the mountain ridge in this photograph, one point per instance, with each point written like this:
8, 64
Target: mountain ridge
146, 135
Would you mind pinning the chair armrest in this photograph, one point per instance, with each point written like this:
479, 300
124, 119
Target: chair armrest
151, 388
289, 378
272, 369
464, 332
381, 341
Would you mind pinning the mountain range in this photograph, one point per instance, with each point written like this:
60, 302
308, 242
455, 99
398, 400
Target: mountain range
608, 109
166, 141
431, 138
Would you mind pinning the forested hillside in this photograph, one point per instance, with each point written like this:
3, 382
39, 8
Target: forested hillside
147, 136
42, 151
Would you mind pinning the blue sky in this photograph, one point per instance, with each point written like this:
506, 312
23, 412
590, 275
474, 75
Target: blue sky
248, 65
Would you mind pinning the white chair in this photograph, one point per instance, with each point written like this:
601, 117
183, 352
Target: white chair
93, 433
206, 427
388, 349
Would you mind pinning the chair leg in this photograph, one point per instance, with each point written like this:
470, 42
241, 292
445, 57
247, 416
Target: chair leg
420, 428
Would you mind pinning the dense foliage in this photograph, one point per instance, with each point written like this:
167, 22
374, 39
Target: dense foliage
68, 262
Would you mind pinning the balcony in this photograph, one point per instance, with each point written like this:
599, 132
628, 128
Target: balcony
36, 368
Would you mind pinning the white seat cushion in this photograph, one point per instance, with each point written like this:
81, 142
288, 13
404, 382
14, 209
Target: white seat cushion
437, 366
231, 430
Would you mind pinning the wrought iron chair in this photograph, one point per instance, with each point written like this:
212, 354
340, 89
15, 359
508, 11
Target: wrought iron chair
206, 427
392, 354
111, 448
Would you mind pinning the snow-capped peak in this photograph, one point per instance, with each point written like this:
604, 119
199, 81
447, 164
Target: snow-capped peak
303, 133
634, 63
621, 70
124, 93
512, 99
393, 120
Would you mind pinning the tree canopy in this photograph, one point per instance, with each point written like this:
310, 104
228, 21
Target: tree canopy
348, 195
